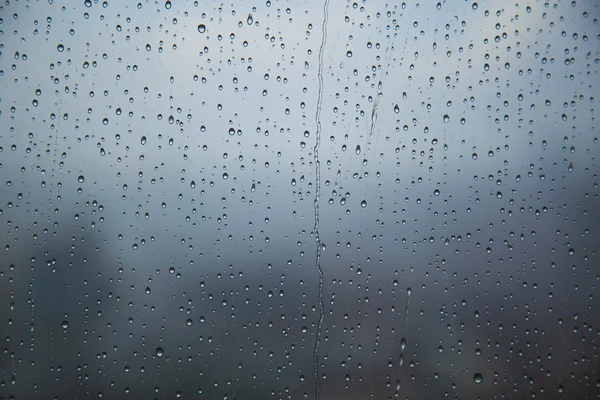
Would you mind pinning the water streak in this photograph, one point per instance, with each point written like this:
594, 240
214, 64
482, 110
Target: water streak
317, 195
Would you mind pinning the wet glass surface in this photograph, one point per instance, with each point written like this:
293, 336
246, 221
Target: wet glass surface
289, 200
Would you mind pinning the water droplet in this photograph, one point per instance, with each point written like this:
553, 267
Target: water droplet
446, 118
159, 352
201, 28
396, 109
80, 179
143, 140
168, 5
65, 324
478, 378
363, 203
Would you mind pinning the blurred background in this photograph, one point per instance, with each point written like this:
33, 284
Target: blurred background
163, 164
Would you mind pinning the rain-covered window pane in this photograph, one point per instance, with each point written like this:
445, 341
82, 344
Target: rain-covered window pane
299, 199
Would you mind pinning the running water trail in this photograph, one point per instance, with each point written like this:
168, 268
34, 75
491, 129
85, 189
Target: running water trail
408, 293
403, 340
317, 195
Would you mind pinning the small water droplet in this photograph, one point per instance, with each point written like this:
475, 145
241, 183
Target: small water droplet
478, 378
363, 203
159, 352
201, 28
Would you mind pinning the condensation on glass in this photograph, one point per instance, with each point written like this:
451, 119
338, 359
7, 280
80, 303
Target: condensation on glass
289, 200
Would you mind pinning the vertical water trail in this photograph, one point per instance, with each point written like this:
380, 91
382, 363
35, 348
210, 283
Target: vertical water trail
403, 340
317, 195
408, 293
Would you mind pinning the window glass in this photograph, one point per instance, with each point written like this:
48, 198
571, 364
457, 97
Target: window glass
299, 199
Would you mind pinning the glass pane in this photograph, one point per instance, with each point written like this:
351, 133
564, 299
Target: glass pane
288, 199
